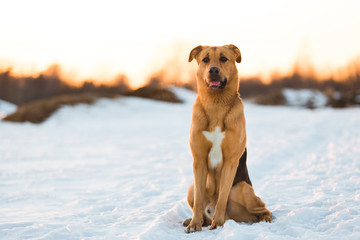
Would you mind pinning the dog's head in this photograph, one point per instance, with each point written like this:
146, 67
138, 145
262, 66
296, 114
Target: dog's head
217, 67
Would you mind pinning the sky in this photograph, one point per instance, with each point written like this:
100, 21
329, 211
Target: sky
100, 39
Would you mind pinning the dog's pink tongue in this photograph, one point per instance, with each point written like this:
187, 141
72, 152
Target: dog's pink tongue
215, 83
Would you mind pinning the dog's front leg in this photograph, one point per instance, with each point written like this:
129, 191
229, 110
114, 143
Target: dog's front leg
200, 149
200, 174
227, 176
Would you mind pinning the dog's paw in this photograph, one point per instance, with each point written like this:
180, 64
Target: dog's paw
186, 222
217, 222
267, 217
193, 227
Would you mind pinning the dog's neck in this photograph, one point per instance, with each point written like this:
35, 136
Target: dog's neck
219, 98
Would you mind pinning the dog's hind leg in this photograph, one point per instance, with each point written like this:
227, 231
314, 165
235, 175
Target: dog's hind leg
251, 209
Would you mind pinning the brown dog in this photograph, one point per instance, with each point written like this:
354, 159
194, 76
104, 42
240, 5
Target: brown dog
222, 188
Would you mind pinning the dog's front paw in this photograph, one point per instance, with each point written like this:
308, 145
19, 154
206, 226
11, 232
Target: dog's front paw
217, 222
193, 226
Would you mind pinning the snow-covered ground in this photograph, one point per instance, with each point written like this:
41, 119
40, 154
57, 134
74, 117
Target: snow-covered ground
120, 170
302, 97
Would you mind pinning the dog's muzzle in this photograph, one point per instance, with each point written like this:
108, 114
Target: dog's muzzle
215, 81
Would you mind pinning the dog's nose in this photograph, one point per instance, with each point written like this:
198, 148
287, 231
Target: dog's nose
214, 70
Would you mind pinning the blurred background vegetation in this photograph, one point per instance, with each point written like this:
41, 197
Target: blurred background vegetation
38, 97
26, 89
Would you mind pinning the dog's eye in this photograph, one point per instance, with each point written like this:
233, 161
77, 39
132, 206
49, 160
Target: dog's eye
206, 60
223, 59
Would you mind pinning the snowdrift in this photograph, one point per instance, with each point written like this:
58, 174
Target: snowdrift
305, 98
6, 108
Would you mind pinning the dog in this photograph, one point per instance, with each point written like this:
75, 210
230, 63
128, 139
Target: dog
222, 188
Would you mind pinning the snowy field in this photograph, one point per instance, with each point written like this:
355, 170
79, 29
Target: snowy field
120, 169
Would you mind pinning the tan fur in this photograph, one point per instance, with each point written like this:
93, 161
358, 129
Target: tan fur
212, 188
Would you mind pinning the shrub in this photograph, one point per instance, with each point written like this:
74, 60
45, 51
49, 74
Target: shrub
155, 92
39, 111
272, 98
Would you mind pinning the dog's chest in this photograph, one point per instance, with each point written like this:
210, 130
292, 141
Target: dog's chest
215, 137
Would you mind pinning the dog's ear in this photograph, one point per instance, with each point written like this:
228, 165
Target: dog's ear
195, 52
236, 51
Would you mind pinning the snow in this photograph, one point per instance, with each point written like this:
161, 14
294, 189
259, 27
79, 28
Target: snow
302, 97
6, 108
120, 169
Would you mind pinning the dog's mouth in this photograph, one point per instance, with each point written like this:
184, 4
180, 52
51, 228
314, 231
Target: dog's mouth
216, 83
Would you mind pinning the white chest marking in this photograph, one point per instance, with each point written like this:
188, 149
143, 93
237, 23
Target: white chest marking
216, 137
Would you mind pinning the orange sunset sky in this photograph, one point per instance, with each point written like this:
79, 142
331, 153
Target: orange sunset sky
100, 39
